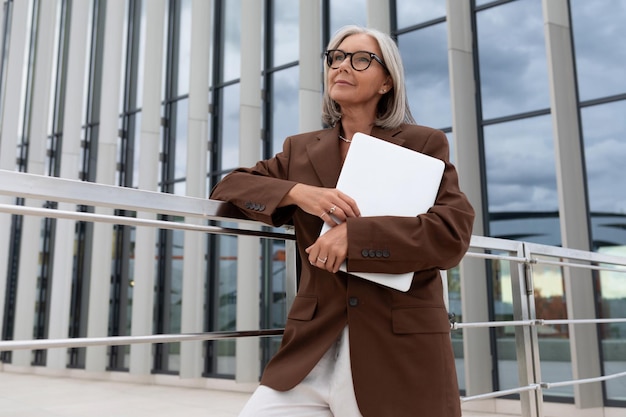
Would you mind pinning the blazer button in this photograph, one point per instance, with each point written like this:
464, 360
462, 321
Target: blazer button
372, 253
379, 254
353, 301
386, 253
365, 253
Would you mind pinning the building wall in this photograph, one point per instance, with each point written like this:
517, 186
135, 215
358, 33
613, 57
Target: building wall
170, 95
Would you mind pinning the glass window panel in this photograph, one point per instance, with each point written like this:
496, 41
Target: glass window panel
182, 120
521, 180
226, 306
604, 133
513, 68
231, 48
425, 56
411, 12
230, 127
286, 32
184, 47
285, 111
613, 335
599, 39
347, 12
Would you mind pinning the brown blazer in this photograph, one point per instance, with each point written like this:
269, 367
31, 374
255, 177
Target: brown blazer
400, 350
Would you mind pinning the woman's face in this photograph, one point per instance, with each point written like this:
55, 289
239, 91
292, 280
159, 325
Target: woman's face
358, 89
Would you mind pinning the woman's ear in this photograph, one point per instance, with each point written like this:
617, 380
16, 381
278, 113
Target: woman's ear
387, 85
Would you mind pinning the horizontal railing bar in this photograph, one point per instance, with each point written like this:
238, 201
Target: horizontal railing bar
134, 221
535, 322
579, 265
549, 385
47, 188
494, 394
38, 344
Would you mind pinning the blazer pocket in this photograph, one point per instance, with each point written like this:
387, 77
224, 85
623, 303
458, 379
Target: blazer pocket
408, 320
303, 308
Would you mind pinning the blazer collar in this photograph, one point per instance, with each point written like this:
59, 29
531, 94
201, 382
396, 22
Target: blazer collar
325, 156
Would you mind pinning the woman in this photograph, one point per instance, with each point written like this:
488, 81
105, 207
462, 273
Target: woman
352, 347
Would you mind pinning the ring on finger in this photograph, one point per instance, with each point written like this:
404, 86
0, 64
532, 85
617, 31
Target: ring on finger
332, 209
322, 215
322, 260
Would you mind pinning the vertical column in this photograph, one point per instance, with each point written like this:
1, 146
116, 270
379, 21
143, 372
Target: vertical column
58, 310
573, 209
467, 159
197, 147
311, 70
248, 251
62, 265
378, 15
145, 238
107, 145
28, 263
13, 100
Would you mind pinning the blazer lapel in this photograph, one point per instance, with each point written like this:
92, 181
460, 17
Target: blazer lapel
324, 155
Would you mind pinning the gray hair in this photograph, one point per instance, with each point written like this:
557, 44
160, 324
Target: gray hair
393, 107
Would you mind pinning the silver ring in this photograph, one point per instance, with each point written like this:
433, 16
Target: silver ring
322, 260
322, 215
332, 209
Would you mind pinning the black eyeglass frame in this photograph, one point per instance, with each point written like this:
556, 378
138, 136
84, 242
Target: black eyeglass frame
372, 55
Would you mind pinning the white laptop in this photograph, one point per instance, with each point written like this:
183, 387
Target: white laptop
388, 179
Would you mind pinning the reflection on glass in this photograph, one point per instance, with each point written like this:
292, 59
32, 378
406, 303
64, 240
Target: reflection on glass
513, 68
604, 137
613, 335
347, 12
230, 127
599, 39
508, 375
554, 344
182, 130
184, 47
286, 32
521, 173
224, 311
411, 12
231, 36
285, 114
425, 57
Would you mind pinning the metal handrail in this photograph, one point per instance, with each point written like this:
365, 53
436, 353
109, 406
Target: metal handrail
68, 192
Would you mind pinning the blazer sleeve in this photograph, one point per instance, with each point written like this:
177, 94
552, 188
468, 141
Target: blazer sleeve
258, 190
436, 239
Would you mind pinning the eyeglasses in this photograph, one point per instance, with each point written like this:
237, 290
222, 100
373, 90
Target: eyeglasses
359, 60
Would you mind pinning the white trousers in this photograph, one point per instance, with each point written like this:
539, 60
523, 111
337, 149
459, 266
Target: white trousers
326, 392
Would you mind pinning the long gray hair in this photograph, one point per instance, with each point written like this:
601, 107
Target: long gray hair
393, 107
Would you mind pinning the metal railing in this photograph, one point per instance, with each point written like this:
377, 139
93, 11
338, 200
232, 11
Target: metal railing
523, 257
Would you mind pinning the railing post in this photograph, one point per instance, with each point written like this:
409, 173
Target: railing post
526, 345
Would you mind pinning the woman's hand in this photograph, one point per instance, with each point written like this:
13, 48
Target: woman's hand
330, 249
330, 204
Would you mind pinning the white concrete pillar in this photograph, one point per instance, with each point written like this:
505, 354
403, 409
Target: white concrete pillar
13, 100
194, 264
99, 290
248, 250
148, 171
63, 262
37, 136
573, 209
467, 160
378, 15
311, 66
30, 237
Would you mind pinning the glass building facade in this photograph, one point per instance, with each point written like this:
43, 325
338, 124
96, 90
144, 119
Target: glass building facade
171, 95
